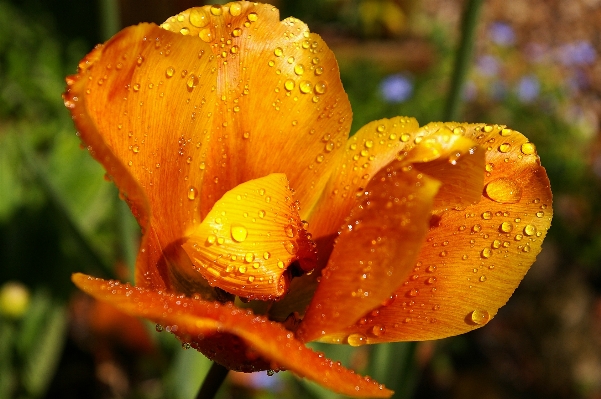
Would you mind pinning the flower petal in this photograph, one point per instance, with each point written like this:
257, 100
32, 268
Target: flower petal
247, 241
374, 253
374, 146
379, 246
475, 256
263, 342
174, 122
278, 88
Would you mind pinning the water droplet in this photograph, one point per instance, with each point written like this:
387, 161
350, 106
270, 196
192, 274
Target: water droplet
504, 191
192, 82
158, 328
540, 214
528, 149
278, 52
249, 257
237, 32
505, 147
211, 239
321, 87
413, 293
253, 17
486, 253
206, 35
261, 213
290, 231
281, 264
378, 330
235, 9
289, 85
318, 70
216, 10
480, 317
299, 69
184, 31
482, 279
477, 228
239, 233
356, 339
506, 227
192, 193
242, 269
305, 86
487, 215
530, 230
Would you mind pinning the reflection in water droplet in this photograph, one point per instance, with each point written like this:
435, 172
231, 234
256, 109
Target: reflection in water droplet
504, 191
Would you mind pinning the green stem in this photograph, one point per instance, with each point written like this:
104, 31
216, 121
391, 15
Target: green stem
469, 22
110, 21
212, 382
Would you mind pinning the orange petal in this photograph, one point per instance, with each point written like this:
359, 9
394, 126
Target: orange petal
277, 88
374, 146
249, 238
474, 257
177, 125
374, 252
195, 321
455, 161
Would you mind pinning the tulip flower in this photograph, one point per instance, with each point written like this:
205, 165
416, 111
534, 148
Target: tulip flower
265, 226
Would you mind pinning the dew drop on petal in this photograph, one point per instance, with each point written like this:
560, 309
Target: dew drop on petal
356, 339
480, 317
528, 149
239, 233
504, 191
192, 193
235, 9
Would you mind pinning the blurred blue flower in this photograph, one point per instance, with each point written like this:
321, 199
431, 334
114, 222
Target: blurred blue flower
577, 53
528, 88
488, 65
396, 88
502, 34
470, 91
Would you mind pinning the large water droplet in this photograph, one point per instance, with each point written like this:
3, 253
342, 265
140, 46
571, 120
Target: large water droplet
239, 233
235, 9
192, 193
504, 191
206, 35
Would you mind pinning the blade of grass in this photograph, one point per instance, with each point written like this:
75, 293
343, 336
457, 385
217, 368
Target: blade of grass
463, 57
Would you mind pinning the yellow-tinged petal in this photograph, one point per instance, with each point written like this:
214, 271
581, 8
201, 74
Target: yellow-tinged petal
475, 256
247, 241
277, 87
258, 340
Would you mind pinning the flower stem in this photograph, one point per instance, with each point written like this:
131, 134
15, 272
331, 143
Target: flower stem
212, 382
469, 21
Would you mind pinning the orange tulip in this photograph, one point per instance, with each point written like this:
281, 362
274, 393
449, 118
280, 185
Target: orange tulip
265, 226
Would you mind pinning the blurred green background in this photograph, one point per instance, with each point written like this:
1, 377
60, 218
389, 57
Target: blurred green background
536, 67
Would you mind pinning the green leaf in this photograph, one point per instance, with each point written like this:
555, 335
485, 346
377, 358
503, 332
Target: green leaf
40, 365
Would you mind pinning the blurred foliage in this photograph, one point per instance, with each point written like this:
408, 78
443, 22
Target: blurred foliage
58, 215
